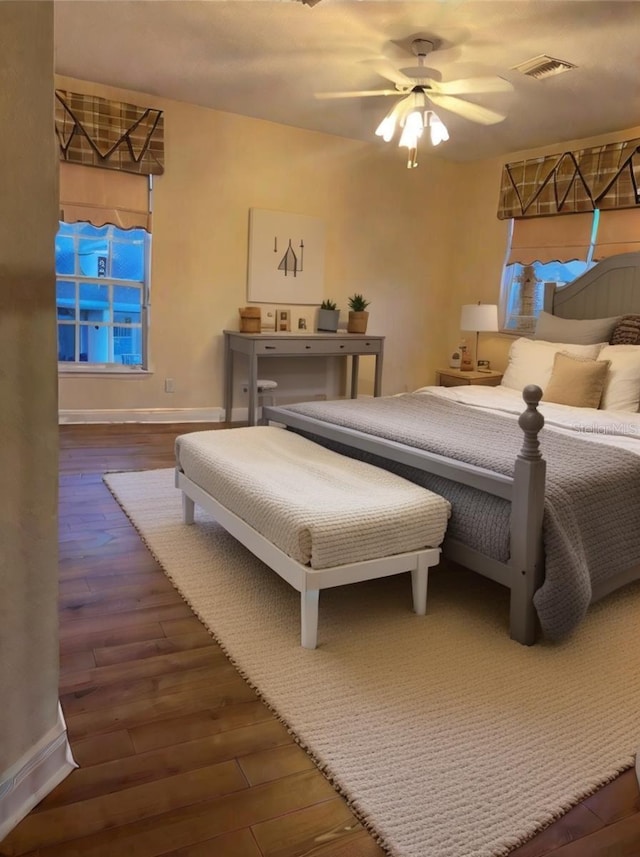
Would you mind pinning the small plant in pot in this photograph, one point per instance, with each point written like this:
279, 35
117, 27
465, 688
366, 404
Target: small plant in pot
328, 316
358, 315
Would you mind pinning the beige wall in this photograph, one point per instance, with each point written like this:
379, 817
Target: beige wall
28, 418
418, 243
387, 236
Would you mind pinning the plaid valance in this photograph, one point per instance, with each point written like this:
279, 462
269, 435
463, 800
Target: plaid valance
112, 134
604, 177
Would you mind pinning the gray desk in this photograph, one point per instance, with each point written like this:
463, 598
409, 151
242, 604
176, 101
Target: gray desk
264, 345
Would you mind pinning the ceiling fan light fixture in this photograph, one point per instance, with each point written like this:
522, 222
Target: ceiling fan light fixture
412, 129
413, 114
413, 126
437, 129
387, 128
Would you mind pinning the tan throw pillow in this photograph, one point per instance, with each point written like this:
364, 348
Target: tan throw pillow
576, 381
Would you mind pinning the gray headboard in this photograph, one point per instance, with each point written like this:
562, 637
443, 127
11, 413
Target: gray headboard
610, 288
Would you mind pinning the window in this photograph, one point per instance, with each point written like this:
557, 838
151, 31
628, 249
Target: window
523, 287
543, 250
102, 288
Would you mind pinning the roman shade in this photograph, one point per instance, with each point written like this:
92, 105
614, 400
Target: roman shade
618, 232
550, 239
104, 196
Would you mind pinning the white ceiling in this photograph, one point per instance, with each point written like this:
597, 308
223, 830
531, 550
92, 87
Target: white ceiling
267, 58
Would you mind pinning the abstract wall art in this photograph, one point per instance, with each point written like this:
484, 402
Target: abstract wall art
286, 258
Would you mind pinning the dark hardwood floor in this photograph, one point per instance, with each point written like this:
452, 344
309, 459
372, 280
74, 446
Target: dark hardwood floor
177, 756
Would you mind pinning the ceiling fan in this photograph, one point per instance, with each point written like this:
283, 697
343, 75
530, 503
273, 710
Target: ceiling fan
421, 88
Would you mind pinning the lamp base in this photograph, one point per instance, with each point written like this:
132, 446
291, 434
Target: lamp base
466, 363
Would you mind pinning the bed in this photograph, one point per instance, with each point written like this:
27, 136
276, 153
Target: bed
545, 494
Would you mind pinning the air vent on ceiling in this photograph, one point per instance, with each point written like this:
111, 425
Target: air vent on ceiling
543, 66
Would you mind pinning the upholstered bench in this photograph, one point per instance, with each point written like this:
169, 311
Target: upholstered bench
317, 518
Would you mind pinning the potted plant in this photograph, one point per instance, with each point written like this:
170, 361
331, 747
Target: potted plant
358, 315
328, 316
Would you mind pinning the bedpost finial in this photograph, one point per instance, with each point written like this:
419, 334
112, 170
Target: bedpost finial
531, 421
532, 394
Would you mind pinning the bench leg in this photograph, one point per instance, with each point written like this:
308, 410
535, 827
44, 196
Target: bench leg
309, 618
419, 577
188, 509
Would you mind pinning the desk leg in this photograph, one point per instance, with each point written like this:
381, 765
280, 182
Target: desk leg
355, 366
377, 385
228, 379
253, 388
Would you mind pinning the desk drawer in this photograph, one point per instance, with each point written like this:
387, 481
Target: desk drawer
321, 347
360, 346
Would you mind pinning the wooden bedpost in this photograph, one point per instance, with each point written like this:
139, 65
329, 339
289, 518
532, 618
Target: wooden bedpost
527, 512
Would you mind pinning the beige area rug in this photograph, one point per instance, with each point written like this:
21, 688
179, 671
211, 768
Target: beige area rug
447, 738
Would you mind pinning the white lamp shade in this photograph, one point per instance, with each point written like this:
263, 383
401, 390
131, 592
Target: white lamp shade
479, 317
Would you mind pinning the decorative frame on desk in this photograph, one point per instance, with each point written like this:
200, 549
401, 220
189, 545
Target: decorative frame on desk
283, 320
286, 258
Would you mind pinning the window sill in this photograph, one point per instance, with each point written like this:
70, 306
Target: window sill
91, 371
515, 333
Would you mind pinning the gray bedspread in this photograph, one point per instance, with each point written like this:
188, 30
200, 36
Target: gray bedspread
591, 525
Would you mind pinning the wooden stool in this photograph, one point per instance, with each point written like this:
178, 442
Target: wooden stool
265, 391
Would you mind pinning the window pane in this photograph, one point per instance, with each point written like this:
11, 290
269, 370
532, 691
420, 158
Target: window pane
94, 302
93, 255
127, 258
66, 343
95, 343
66, 299
65, 254
127, 304
127, 345
524, 287
66, 230
89, 230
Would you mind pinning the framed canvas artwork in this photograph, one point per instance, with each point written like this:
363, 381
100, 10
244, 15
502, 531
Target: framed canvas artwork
286, 258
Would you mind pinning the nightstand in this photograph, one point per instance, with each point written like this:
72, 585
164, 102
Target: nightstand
457, 378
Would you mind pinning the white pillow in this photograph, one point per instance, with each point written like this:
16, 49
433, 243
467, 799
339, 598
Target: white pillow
588, 331
622, 388
531, 361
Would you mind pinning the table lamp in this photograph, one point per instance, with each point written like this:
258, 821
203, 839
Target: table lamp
479, 317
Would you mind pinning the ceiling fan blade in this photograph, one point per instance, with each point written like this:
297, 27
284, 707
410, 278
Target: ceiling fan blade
362, 93
474, 112
471, 85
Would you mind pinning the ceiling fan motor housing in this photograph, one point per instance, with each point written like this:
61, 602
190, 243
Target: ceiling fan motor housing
420, 74
423, 47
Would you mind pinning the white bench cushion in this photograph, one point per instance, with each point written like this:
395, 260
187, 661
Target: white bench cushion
319, 507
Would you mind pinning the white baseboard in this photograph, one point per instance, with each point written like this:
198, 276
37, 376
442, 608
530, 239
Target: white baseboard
143, 415
33, 776
68, 416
